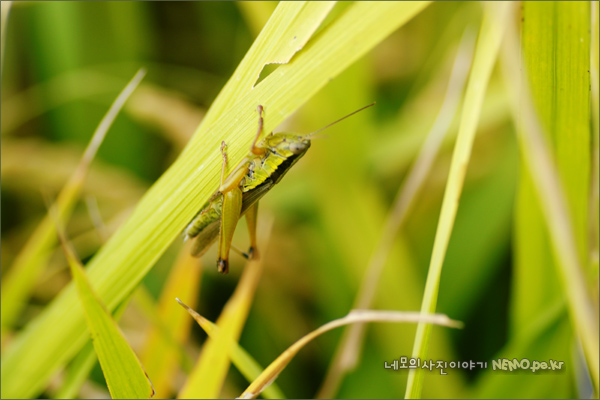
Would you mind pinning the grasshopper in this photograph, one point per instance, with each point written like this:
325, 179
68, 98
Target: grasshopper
238, 195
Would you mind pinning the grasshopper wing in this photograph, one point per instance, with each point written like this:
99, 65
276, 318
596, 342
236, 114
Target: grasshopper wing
210, 233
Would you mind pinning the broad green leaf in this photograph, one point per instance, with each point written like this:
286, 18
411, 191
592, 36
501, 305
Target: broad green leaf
488, 44
555, 46
595, 197
556, 197
56, 335
355, 316
288, 30
243, 361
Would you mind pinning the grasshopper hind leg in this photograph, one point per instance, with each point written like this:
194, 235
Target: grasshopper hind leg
251, 217
232, 208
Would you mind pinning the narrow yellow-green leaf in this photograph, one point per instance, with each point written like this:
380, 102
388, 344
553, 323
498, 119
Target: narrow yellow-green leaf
124, 374
145, 303
160, 356
595, 197
171, 203
125, 377
486, 52
355, 316
22, 275
243, 361
207, 377
81, 366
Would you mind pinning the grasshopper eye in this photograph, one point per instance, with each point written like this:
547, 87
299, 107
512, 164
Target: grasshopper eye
298, 146
295, 148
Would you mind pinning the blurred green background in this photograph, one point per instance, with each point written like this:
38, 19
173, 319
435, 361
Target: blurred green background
65, 62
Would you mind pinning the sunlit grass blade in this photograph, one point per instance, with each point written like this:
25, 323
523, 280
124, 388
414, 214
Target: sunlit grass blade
289, 28
555, 53
19, 280
595, 190
355, 316
79, 369
243, 361
160, 357
174, 199
555, 210
346, 355
122, 370
5, 11
207, 377
488, 44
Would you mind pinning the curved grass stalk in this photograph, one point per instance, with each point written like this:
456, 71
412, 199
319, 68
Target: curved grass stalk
353, 317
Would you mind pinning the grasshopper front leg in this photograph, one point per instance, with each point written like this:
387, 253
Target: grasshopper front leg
232, 203
232, 208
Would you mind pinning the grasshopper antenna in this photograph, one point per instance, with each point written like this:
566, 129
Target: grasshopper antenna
339, 120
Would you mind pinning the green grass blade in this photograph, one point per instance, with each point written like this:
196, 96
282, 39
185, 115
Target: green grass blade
595, 195
170, 204
552, 193
243, 361
353, 317
288, 29
81, 366
125, 377
486, 52
124, 374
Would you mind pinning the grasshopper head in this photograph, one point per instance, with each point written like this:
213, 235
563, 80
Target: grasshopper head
287, 142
